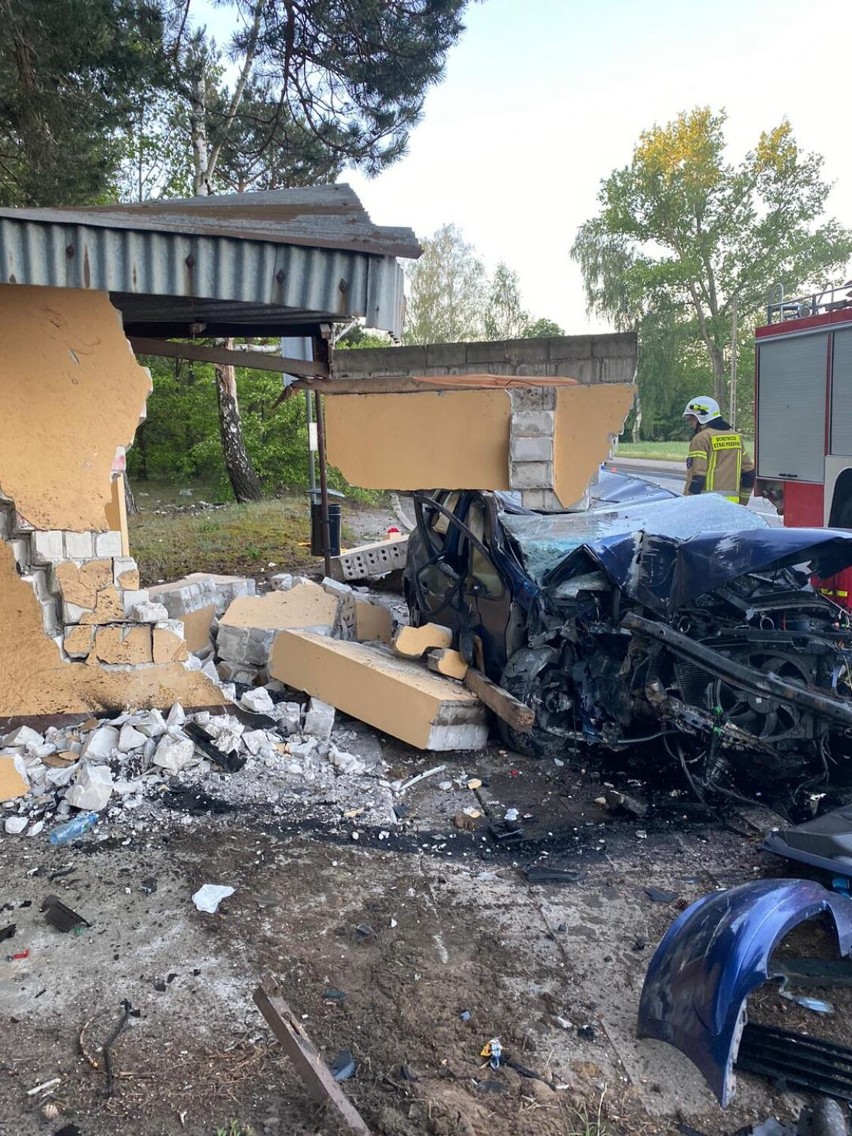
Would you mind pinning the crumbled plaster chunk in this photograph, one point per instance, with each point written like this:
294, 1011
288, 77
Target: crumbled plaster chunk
15, 824
258, 701
92, 788
130, 738
147, 612
100, 744
319, 720
173, 753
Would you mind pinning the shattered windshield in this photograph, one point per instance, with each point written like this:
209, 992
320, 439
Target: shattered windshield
543, 539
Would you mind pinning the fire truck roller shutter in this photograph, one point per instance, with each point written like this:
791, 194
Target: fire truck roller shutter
838, 463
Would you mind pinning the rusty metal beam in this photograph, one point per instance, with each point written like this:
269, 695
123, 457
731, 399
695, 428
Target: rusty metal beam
304, 1054
257, 360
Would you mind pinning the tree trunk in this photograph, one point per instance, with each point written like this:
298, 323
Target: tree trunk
129, 500
241, 473
720, 385
636, 432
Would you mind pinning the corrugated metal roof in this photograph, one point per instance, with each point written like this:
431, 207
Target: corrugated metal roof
273, 263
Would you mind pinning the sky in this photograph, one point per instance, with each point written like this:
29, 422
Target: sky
542, 99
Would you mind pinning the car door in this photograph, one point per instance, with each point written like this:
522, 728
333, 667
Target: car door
488, 599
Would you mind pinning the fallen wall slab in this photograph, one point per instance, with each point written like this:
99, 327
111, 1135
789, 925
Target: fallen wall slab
392, 694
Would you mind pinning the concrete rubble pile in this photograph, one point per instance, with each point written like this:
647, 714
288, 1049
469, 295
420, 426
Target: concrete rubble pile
126, 767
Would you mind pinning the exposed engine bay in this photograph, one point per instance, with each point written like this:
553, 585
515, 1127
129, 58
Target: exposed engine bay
680, 637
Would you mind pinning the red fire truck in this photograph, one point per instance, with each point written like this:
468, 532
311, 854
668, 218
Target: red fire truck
803, 414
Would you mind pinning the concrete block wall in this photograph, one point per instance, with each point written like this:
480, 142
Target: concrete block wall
89, 594
531, 447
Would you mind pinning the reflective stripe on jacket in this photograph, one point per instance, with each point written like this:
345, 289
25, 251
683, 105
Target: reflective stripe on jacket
719, 457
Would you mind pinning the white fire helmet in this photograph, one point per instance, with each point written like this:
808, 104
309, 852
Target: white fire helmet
704, 408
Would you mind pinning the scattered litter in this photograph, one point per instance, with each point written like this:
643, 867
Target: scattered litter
343, 1066
74, 829
148, 886
474, 783
43, 1086
816, 1004
8, 932
15, 825
616, 800
421, 777
127, 1012
334, 995
60, 916
19, 957
208, 897
493, 1050
233, 762
586, 1033
490, 1086
364, 931
657, 895
445, 785
512, 814
505, 831
465, 1015
537, 875
467, 820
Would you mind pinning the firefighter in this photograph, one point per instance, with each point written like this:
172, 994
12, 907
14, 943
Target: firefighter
717, 461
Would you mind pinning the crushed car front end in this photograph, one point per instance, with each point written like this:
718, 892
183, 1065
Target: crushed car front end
675, 635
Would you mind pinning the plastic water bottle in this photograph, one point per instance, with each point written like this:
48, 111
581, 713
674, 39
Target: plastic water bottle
73, 829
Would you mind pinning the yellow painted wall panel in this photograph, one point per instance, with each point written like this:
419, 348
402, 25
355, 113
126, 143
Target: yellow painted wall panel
586, 418
71, 392
451, 439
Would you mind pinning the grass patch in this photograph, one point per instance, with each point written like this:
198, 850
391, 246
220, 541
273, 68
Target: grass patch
661, 451
236, 539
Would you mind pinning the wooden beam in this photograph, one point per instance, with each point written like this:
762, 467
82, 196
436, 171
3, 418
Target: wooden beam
409, 384
257, 360
303, 1053
518, 715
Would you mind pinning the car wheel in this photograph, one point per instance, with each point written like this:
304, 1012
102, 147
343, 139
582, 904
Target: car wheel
537, 678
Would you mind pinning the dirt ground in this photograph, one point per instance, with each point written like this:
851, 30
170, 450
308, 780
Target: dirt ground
430, 933
410, 941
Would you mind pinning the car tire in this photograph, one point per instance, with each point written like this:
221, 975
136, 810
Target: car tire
526, 678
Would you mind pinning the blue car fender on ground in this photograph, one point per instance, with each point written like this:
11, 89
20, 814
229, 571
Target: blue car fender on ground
712, 958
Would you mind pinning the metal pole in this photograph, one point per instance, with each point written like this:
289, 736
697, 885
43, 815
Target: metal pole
312, 458
734, 361
326, 527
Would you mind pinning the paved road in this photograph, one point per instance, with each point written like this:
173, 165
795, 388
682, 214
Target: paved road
670, 475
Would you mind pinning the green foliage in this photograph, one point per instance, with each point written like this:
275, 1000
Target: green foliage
505, 317
451, 298
362, 338
72, 73
542, 329
179, 439
447, 291
682, 233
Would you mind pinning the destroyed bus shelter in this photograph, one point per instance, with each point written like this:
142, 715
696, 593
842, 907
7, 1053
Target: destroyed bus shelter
76, 630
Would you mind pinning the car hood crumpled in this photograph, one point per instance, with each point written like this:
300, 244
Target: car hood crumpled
667, 553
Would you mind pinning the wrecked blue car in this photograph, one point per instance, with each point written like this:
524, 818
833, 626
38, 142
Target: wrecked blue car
675, 634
